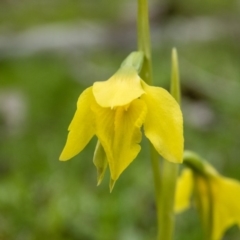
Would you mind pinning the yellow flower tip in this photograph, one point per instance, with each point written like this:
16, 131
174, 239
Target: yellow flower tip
99, 180
68, 153
63, 158
100, 175
112, 184
176, 158
121, 89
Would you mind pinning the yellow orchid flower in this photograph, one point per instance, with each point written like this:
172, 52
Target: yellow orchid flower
115, 110
217, 199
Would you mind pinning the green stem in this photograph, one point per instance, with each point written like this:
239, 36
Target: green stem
169, 170
144, 45
157, 185
169, 177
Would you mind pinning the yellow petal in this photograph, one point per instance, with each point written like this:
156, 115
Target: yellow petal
184, 191
226, 197
121, 89
81, 129
118, 130
100, 161
164, 124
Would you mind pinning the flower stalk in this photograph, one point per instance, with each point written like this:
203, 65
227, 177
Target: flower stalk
164, 185
144, 42
144, 45
169, 170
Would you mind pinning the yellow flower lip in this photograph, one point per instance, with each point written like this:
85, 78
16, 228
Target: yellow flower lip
121, 89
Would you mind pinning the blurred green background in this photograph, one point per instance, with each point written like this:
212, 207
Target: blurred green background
49, 52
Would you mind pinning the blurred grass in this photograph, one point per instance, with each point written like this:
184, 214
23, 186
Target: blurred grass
41, 197
20, 15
